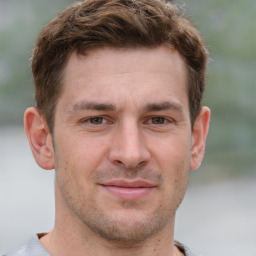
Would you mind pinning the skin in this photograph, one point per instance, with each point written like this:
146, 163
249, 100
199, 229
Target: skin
123, 115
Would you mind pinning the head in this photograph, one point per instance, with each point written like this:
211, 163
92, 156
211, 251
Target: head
92, 24
119, 86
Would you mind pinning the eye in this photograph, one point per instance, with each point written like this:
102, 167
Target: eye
96, 120
96, 123
158, 120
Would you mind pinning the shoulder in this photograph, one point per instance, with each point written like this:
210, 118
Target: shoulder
184, 249
32, 247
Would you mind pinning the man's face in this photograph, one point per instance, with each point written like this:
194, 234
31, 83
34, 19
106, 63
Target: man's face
122, 141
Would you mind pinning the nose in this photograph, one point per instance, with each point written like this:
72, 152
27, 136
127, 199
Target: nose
128, 148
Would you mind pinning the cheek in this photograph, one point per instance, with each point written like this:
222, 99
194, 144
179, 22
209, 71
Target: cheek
172, 153
80, 154
173, 158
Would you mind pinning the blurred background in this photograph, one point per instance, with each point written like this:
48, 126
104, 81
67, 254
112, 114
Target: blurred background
218, 215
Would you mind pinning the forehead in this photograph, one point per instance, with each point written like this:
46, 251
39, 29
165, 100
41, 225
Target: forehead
125, 60
122, 75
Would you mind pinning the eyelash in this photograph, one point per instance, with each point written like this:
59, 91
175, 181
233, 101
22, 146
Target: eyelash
163, 120
90, 119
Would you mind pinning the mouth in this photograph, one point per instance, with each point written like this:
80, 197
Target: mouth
130, 190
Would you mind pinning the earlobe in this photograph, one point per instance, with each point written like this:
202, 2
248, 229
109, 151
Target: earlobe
200, 131
39, 138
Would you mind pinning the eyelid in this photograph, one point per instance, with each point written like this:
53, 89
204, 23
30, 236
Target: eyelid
167, 120
87, 120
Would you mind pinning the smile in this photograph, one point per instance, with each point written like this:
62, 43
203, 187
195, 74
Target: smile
129, 190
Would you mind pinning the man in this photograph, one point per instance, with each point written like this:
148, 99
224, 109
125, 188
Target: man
118, 86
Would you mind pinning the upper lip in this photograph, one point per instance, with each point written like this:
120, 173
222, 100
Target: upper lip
129, 184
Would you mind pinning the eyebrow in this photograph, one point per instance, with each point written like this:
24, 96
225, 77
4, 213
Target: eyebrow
158, 106
164, 106
84, 105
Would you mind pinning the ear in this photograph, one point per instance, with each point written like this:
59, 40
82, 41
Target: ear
200, 131
39, 138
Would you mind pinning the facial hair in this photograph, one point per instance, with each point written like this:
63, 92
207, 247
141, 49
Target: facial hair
131, 228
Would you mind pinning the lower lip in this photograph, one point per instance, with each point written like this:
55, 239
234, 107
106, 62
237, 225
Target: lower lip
128, 193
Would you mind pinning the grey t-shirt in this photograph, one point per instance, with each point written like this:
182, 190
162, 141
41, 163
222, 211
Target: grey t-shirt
34, 248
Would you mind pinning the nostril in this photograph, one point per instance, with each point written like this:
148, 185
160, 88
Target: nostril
118, 162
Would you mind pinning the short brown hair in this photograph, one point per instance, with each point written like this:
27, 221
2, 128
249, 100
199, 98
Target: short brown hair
91, 24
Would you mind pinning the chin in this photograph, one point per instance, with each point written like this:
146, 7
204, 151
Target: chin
127, 226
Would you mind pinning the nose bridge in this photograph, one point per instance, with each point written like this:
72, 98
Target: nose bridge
131, 139
129, 148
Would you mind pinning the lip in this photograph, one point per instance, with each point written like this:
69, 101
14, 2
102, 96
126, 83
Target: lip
130, 190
